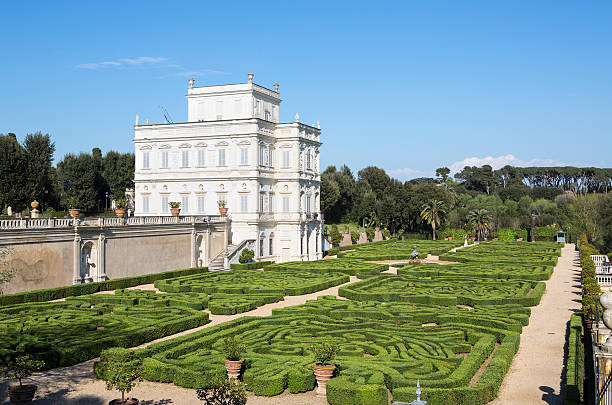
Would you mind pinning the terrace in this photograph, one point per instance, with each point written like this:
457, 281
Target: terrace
603, 272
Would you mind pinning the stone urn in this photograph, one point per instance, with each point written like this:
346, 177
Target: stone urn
22, 394
175, 211
74, 212
605, 300
120, 212
323, 373
223, 211
233, 368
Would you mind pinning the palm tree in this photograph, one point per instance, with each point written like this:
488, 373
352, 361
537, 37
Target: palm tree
481, 222
432, 212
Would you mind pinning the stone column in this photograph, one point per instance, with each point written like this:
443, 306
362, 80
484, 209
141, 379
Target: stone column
101, 270
76, 279
206, 242
194, 247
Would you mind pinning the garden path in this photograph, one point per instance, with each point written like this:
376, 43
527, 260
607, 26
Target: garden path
536, 373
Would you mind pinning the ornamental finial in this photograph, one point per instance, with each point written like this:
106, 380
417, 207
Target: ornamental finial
276, 87
418, 390
297, 117
191, 82
318, 125
251, 76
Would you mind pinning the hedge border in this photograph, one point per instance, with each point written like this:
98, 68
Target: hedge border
50, 294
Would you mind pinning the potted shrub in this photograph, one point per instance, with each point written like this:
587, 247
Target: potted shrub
324, 352
246, 256
120, 206
122, 369
233, 349
73, 202
336, 236
386, 233
370, 233
22, 367
222, 207
175, 208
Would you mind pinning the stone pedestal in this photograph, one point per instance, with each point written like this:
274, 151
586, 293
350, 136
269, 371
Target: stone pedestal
35, 213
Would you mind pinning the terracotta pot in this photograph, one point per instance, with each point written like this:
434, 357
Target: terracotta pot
120, 212
233, 368
223, 211
175, 211
128, 401
323, 373
74, 212
22, 395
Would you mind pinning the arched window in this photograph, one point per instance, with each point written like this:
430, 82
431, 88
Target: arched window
271, 244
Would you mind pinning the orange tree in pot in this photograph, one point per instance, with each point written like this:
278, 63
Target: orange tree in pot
323, 353
220, 390
120, 205
120, 368
234, 350
22, 367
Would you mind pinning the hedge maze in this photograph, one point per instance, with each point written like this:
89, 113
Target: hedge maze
353, 267
383, 346
455, 327
78, 329
396, 249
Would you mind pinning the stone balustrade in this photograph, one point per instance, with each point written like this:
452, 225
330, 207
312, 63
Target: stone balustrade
49, 223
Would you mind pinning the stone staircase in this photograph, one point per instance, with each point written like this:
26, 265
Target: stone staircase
217, 263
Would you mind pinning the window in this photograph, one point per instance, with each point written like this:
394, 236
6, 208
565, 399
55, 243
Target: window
244, 203
164, 204
244, 156
270, 250
200, 204
164, 156
270, 155
261, 202
185, 158
286, 158
267, 116
221, 157
201, 157
185, 204
145, 160
285, 204
270, 203
308, 161
219, 110
261, 246
256, 107
261, 155
145, 204
308, 197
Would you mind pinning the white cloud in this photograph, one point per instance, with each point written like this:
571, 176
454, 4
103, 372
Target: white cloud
501, 161
141, 60
188, 73
406, 173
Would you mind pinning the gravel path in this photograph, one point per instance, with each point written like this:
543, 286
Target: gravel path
536, 372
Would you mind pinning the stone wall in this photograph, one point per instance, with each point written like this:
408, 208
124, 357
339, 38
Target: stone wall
48, 258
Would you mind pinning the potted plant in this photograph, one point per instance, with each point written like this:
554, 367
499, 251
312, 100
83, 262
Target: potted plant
222, 208
233, 349
175, 208
120, 205
73, 202
324, 352
22, 367
354, 237
122, 369
370, 233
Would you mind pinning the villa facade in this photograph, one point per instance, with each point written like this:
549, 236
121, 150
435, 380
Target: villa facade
234, 149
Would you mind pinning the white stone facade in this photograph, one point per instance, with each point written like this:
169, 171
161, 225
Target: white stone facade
234, 149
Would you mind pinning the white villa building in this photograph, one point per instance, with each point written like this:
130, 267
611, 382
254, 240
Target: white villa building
234, 149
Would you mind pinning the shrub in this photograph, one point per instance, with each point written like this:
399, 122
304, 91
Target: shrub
325, 351
336, 236
233, 348
370, 233
386, 233
575, 358
354, 236
22, 367
122, 370
246, 256
222, 391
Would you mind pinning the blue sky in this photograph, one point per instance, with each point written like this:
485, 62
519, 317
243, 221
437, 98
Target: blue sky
406, 86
